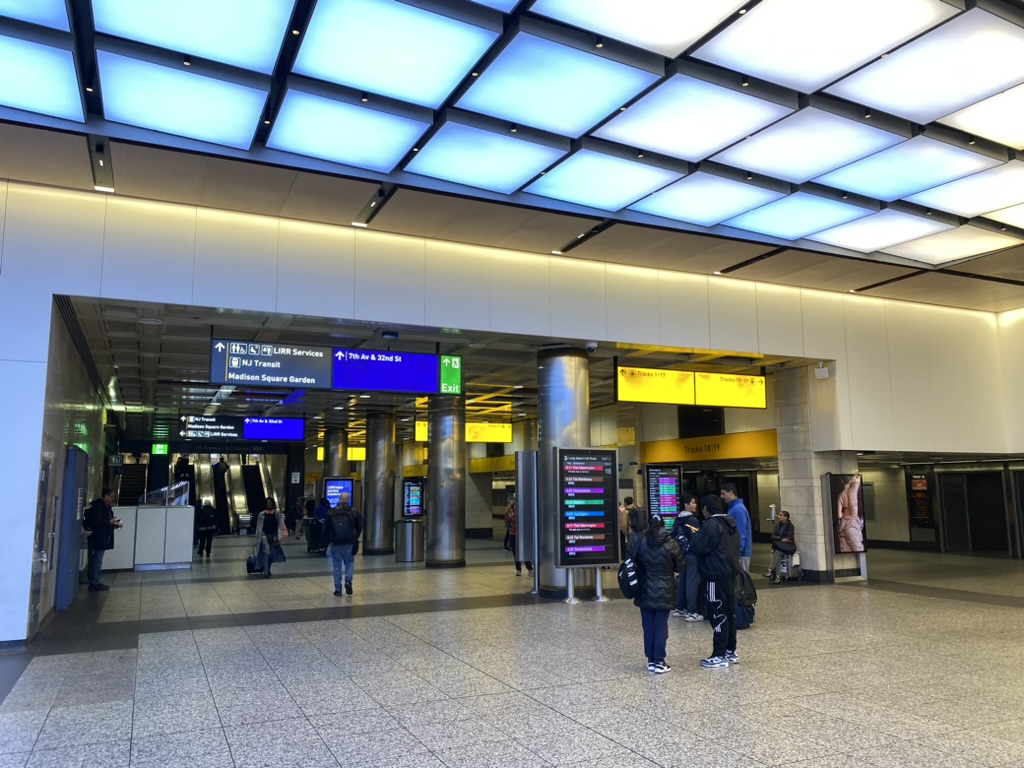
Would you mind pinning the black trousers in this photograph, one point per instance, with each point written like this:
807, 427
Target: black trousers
721, 602
205, 539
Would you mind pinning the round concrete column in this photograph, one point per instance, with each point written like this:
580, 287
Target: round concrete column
336, 453
379, 485
563, 421
446, 482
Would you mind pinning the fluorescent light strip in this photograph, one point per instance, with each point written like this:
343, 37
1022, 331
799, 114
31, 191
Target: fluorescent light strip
907, 168
45, 13
39, 78
879, 231
666, 28
976, 195
959, 243
242, 33
481, 158
807, 44
601, 181
807, 144
689, 118
797, 216
558, 88
159, 98
972, 57
351, 134
1014, 216
999, 118
705, 199
391, 49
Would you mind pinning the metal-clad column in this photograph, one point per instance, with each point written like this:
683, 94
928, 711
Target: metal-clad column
336, 453
446, 482
563, 421
379, 485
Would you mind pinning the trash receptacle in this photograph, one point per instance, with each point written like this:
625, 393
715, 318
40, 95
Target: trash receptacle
408, 541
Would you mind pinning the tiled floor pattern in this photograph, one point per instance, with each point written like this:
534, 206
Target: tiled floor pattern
831, 677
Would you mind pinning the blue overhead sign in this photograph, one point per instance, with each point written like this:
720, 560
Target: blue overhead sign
269, 365
214, 427
386, 371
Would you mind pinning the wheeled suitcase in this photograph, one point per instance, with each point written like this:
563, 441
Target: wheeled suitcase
314, 533
789, 568
253, 564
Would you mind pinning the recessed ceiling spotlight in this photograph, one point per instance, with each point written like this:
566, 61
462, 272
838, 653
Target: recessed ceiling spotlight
640, 153
296, 32
187, 61
750, 176
971, 140
716, 272
364, 397
599, 43
517, 386
556, 253
513, 128
867, 113
745, 82
364, 98
389, 335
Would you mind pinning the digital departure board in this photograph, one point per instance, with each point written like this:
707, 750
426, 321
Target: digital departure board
412, 497
664, 490
202, 427
588, 508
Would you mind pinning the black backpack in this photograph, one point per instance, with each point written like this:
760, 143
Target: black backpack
683, 534
341, 527
637, 519
629, 579
746, 592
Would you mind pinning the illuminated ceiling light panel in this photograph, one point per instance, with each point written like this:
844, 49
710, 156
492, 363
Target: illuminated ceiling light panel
552, 86
505, 6
910, 167
797, 216
601, 181
1014, 216
955, 244
343, 133
999, 118
807, 144
39, 78
807, 44
482, 158
982, 193
46, 13
242, 33
162, 99
391, 49
691, 119
966, 60
879, 231
705, 199
666, 28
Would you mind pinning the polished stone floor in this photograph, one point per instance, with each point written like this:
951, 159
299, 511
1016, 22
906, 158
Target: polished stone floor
921, 666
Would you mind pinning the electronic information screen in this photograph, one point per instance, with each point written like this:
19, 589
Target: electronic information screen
588, 508
664, 489
335, 486
412, 498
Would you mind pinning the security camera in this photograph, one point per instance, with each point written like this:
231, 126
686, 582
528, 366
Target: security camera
591, 346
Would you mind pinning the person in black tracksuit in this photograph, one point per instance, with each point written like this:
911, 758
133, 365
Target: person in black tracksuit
718, 546
659, 559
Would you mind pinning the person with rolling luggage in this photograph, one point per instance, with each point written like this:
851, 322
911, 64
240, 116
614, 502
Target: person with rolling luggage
270, 532
718, 546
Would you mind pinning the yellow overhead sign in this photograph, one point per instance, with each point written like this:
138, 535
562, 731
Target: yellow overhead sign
763, 443
731, 390
476, 432
658, 385
654, 385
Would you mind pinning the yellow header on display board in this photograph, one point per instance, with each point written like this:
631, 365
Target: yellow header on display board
670, 387
654, 385
763, 443
476, 432
731, 390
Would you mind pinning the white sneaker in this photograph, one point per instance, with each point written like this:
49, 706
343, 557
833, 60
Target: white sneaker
714, 662
677, 612
693, 617
731, 657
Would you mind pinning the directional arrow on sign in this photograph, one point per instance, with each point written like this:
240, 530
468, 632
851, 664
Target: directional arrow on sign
219, 346
182, 418
339, 355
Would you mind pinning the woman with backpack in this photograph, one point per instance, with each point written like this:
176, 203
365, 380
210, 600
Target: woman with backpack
659, 559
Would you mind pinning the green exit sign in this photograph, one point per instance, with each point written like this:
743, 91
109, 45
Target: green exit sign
159, 449
451, 375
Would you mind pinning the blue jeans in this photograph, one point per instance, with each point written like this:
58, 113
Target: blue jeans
655, 623
95, 565
344, 563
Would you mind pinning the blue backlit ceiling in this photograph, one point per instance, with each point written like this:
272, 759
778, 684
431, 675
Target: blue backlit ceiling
699, 117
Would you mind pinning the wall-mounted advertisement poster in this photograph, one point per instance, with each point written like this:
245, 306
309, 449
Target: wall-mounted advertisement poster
847, 496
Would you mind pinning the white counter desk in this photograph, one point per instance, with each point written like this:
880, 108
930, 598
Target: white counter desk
152, 538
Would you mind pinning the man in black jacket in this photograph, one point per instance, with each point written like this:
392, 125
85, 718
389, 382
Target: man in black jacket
718, 546
341, 540
99, 522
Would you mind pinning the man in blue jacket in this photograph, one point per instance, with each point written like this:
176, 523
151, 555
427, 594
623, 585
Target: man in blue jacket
736, 509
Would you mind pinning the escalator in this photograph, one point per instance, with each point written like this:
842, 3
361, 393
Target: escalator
220, 481
255, 493
132, 484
